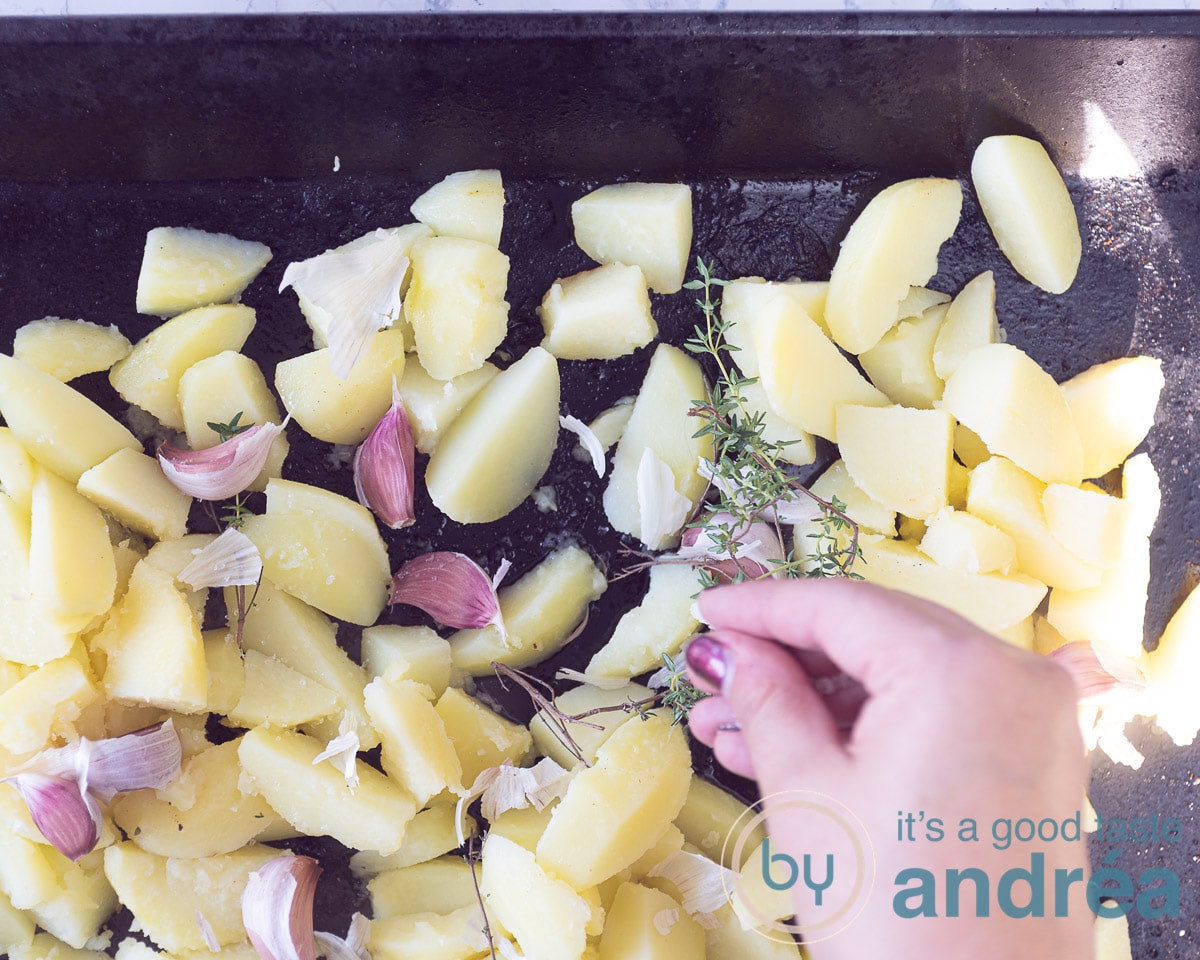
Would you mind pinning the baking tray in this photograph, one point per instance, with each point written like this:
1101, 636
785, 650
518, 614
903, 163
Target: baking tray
784, 124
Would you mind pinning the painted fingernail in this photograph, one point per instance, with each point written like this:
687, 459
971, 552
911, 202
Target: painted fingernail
710, 661
731, 727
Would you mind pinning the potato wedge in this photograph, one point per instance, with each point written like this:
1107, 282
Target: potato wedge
598, 314
1113, 405
467, 204
970, 322
67, 349
184, 268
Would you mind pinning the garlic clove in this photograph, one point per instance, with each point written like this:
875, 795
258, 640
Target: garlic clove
229, 561
383, 467
277, 908
222, 471
145, 759
1098, 676
67, 816
450, 587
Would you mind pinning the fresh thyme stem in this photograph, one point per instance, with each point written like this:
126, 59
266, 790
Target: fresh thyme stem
469, 856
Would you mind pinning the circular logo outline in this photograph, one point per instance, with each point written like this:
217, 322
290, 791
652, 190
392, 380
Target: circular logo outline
845, 819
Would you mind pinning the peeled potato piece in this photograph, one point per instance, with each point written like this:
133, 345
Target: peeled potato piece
55, 424
432, 405
901, 363
898, 456
588, 736
496, 451
131, 486
1171, 671
662, 424
1029, 210
467, 204
635, 924
893, 245
648, 225
184, 268
26, 636
1113, 407
744, 300
67, 349
598, 314
1017, 409
970, 322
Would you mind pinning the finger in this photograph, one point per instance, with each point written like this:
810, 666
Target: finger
787, 730
712, 722
881, 637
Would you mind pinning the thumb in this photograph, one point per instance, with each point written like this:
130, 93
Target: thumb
791, 738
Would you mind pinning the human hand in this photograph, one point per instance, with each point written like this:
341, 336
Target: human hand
943, 718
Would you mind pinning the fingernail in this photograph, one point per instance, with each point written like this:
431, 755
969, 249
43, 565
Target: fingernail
731, 727
710, 661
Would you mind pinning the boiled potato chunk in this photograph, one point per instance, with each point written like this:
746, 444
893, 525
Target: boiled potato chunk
805, 376
1007, 497
324, 549
482, 738
495, 452
279, 625
16, 470
440, 886
432, 405
1113, 407
456, 303
153, 646
1086, 522
149, 376
614, 811
316, 799
467, 204
968, 448
595, 731
990, 600
648, 225
540, 612
184, 268
202, 813
727, 939
524, 826
662, 424
745, 300
547, 917
72, 572
709, 819
1170, 669
132, 488
67, 349
1027, 205
901, 363
84, 899
861, 507
417, 750
340, 410
1017, 409
275, 695
430, 936
16, 926
961, 541
44, 704
407, 653
1112, 613
26, 636
217, 389
430, 834
658, 625
899, 457
796, 446
970, 322
893, 245
57, 425
598, 314
165, 893
635, 924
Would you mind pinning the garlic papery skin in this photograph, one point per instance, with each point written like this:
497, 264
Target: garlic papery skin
277, 908
1098, 677
587, 439
353, 947
67, 817
754, 549
704, 885
232, 560
383, 467
450, 587
223, 471
342, 750
662, 508
149, 758
360, 290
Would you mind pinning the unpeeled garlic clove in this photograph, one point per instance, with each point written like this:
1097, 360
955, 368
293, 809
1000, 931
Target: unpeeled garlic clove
145, 759
277, 908
67, 816
383, 467
450, 587
222, 471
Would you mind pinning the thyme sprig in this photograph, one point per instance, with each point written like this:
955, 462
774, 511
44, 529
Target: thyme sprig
748, 470
680, 694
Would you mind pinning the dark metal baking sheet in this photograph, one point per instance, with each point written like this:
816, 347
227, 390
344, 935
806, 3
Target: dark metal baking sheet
785, 125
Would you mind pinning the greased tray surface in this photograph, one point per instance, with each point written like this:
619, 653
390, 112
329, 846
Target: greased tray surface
785, 126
